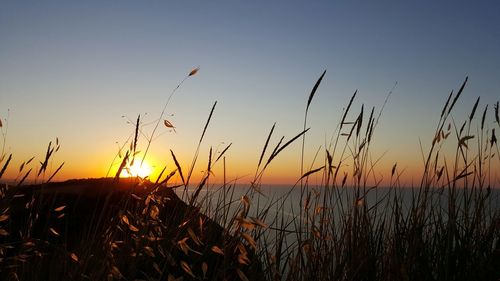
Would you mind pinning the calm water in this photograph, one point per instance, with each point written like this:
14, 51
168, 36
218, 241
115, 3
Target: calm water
285, 200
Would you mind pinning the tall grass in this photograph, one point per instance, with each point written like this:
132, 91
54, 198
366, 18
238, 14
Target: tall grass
346, 227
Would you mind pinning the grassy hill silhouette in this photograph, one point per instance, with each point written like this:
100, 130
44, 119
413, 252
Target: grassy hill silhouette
87, 229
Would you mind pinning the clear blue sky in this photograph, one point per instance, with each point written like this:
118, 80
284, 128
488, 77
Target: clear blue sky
71, 69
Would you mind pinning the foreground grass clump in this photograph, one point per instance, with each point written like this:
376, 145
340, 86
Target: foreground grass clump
346, 227
99, 229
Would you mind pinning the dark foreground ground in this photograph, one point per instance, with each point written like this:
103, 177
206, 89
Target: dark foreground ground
98, 229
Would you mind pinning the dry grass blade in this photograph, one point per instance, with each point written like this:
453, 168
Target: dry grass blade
133, 228
43, 167
245, 200
259, 223
458, 94
193, 236
74, 257
125, 220
187, 268
493, 138
354, 126
195, 157
194, 71
344, 180
348, 108
246, 224
223, 151
154, 212
249, 240
158, 269
243, 258
5, 165
462, 128
56, 171
198, 189
183, 245
217, 250
53, 231
463, 141
440, 173
169, 177
242, 275
24, 178
386, 100
309, 100
168, 124
276, 147
115, 272
29, 161
178, 167
370, 131
149, 251
330, 160
313, 91
463, 175
285, 145
204, 269
307, 174
370, 121
484, 117
265, 145
446, 104
122, 166
135, 137
208, 121
360, 120
209, 165
160, 175
474, 109
497, 117
60, 208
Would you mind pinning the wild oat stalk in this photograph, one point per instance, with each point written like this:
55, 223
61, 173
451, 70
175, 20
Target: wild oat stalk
193, 72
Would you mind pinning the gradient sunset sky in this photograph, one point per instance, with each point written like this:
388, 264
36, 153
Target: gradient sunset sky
72, 69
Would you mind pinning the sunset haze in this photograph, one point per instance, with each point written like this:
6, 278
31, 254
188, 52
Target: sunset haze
82, 72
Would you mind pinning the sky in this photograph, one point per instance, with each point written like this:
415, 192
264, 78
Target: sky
71, 69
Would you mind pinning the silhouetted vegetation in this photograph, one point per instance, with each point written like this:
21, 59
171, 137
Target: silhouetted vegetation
347, 226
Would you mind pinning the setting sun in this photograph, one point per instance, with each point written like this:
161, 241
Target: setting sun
137, 169
250, 140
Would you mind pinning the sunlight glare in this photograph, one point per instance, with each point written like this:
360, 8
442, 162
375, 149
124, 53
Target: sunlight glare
137, 169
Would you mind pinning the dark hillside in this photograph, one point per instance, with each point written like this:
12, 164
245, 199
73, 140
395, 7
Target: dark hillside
96, 228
